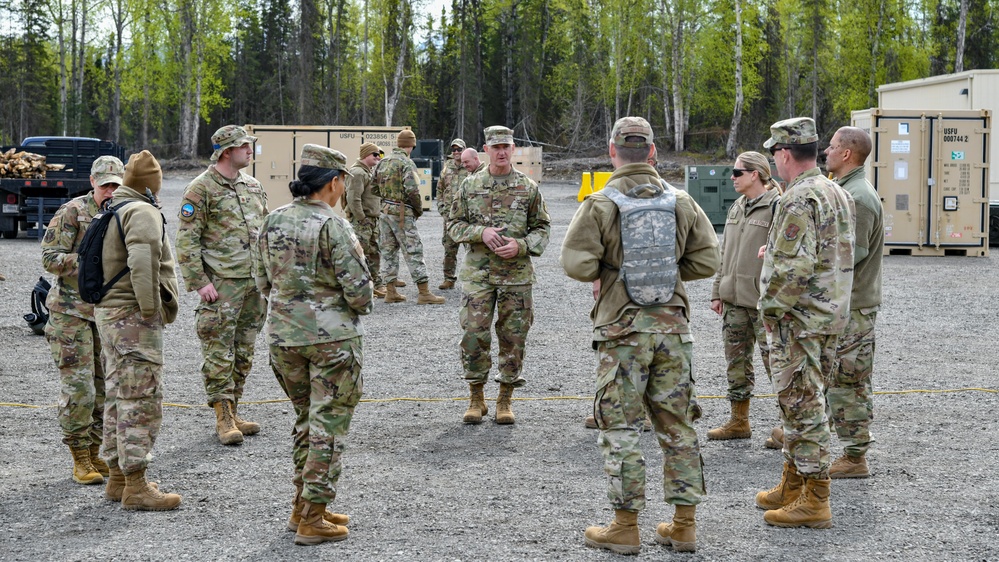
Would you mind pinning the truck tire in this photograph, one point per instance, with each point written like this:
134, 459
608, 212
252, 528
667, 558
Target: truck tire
10, 234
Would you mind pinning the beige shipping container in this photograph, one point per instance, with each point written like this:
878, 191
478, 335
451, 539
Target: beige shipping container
930, 169
275, 154
526, 159
969, 90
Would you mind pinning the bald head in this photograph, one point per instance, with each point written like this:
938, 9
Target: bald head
470, 159
848, 149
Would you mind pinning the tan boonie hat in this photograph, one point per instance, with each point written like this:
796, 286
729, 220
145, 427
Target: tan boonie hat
322, 157
367, 149
107, 169
459, 143
632, 127
406, 139
227, 137
498, 134
143, 172
797, 130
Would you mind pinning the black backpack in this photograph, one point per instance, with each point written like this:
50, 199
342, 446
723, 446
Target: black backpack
39, 314
90, 260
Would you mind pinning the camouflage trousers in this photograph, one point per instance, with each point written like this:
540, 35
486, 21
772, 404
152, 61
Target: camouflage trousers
513, 308
324, 384
228, 329
395, 239
450, 255
654, 370
366, 229
741, 328
850, 391
133, 361
76, 350
801, 365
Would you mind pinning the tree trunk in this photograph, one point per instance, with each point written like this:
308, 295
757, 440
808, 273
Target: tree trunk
962, 24
730, 146
678, 105
393, 89
875, 51
118, 13
306, 45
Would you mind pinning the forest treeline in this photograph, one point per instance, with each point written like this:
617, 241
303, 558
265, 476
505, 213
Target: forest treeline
710, 75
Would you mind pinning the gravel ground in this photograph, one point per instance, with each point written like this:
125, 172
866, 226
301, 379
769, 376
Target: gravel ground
420, 485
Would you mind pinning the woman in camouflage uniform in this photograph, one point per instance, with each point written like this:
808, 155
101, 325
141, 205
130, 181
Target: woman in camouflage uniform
313, 273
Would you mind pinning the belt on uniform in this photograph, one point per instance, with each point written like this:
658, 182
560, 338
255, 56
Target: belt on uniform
391, 202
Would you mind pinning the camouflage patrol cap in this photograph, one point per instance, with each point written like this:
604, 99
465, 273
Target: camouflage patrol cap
797, 130
498, 134
322, 157
406, 139
459, 143
227, 137
107, 169
632, 127
367, 149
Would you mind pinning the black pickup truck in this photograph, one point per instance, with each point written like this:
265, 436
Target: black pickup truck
28, 204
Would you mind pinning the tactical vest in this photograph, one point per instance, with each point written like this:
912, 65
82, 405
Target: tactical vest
648, 238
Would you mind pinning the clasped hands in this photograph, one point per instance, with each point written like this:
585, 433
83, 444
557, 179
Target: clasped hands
502, 246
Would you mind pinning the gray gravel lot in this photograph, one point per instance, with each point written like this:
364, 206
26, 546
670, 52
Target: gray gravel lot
420, 485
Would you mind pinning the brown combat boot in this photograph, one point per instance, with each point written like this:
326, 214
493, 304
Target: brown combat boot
116, 484
783, 493
426, 297
392, 295
244, 427
96, 460
446, 285
83, 471
811, 509
379, 292
400, 283
776, 439
225, 425
621, 536
849, 467
476, 404
139, 495
737, 426
504, 415
313, 529
681, 534
296, 513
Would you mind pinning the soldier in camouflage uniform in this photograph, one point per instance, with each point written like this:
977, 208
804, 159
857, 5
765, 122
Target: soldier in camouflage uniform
472, 165
643, 353
399, 188
451, 177
220, 216
500, 214
735, 293
71, 330
362, 208
313, 272
805, 304
850, 393
130, 319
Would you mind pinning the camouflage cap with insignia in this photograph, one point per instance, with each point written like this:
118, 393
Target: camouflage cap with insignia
498, 134
797, 130
107, 169
632, 127
459, 143
322, 157
227, 137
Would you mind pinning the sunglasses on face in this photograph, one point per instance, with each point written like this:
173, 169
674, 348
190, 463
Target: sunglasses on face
776, 149
737, 172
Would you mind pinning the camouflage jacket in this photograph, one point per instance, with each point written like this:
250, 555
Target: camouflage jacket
59, 257
870, 240
219, 221
513, 202
747, 228
450, 179
592, 250
312, 271
359, 195
396, 180
808, 265
151, 283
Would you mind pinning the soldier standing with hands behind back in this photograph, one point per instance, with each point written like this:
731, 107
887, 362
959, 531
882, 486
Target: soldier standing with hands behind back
363, 206
220, 216
500, 213
71, 329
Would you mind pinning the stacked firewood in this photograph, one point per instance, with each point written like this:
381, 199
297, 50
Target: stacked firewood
25, 165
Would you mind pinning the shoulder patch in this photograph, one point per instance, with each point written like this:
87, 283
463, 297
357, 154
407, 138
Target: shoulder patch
193, 196
187, 211
791, 232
